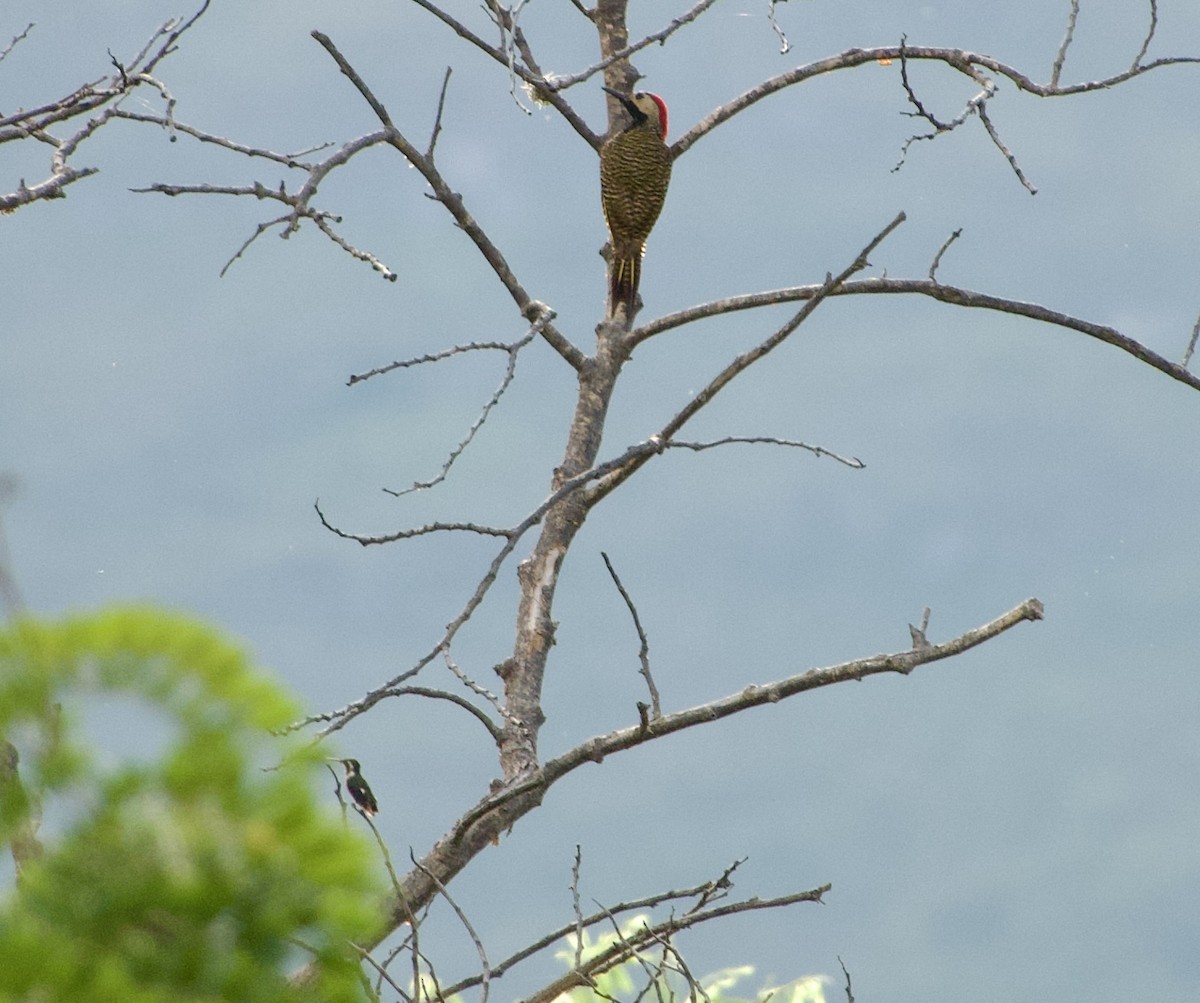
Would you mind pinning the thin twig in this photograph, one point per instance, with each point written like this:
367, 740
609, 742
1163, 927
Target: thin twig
740, 364
1061, 56
510, 373
321, 219
937, 258
562, 82
469, 683
16, 40
382, 972
421, 360
335, 720
845, 972
434, 694
981, 109
409, 534
485, 968
706, 892
437, 119
624, 948
286, 159
1137, 60
530, 308
539, 85
644, 650
718, 888
784, 45
977, 105
575, 907
768, 440
1187, 356
919, 639
921, 110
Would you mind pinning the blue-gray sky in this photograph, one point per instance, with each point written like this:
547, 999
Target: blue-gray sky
1019, 823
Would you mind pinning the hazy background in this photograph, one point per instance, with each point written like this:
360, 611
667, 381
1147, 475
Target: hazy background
1021, 823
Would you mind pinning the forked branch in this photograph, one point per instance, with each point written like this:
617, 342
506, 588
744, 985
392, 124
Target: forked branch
499, 811
532, 310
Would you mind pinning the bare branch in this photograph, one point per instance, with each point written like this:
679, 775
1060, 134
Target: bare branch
1137, 60
470, 683
654, 971
935, 290
981, 110
16, 40
709, 891
500, 810
408, 534
51, 188
644, 650
977, 105
937, 258
1061, 56
335, 720
486, 976
510, 373
845, 972
382, 972
322, 221
575, 907
420, 360
739, 365
1187, 355
625, 948
919, 639
286, 159
538, 85
506, 18
562, 82
299, 202
437, 120
784, 45
767, 440
530, 309
716, 890
960, 60
258, 232
902, 662
174, 31
424, 691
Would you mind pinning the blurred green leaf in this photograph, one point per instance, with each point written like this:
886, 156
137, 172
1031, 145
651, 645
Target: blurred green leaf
195, 876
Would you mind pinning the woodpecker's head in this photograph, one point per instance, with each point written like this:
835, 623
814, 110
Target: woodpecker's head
644, 108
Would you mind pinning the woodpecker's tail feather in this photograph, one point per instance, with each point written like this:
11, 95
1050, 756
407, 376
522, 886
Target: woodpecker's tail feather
625, 273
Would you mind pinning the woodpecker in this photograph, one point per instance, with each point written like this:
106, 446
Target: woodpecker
359, 790
635, 169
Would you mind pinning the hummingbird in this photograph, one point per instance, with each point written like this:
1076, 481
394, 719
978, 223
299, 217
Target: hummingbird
359, 789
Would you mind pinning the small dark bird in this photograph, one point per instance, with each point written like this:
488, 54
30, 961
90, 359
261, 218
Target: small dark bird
359, 789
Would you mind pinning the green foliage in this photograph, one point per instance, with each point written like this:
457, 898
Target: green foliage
627, 980
194, 876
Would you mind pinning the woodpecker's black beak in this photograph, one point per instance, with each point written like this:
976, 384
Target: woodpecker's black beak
626, 103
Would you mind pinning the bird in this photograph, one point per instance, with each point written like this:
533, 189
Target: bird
359, 789
635, 170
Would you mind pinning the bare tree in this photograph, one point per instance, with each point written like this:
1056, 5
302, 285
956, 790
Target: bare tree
535, 547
